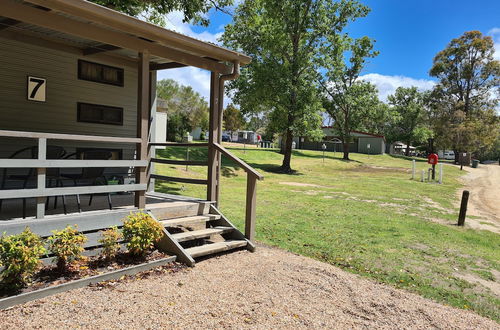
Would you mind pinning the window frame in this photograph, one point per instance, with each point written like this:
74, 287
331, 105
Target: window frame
121, 74
102, 106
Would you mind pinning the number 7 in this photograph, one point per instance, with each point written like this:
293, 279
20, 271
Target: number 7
39, 83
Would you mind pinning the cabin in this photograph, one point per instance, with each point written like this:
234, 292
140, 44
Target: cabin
361, 142
78, 125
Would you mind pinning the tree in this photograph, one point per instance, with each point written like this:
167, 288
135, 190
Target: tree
286, 39
193, 10
186, 108
464, 100
408, 123
233, 118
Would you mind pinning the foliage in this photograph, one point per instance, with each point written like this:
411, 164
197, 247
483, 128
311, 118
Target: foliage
233, 118
20, 256
464, 101
193, 10
66, 245
109, 240
186, 108
286, 40
345, 99
141, 231
409, 116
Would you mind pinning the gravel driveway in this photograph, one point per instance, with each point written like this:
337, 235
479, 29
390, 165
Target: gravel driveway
270, 288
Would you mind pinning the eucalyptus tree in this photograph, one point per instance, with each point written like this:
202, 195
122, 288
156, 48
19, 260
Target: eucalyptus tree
465, 98
286, 40
154, 10
347, 99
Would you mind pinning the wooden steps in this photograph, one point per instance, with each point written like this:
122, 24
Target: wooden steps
189, 220
203, 250
196, 234
196, 229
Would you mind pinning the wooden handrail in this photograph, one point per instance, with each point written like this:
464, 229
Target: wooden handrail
73, 137
238, 161
175, 144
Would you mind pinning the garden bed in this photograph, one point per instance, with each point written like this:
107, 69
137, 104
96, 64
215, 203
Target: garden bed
89, 271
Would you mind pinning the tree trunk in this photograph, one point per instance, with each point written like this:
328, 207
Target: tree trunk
345, 145
407, 152
286, 167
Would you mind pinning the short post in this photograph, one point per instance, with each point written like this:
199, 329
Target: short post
187, 157
413, 169
463, 208
441, 173
250, 207
429, 174
422, 176
324, 148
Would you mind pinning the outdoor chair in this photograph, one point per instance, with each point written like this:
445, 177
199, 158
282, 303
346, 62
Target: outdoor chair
90, 175
52, 174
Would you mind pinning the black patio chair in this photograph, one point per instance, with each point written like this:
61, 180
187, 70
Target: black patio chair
90, 174
52, 174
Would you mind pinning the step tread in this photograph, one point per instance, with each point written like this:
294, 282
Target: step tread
190, 219
190, 235
206, 249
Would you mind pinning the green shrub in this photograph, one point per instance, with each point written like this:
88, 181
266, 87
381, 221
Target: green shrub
109, 240
20, 256
66, 245
141, 231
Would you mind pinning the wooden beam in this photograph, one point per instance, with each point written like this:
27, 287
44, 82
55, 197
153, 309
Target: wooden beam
164, 66
69, 163
142, 124
212, 138
57, 22
99, 49
183, 180
251, 201
75, 137
7, 23
119, 21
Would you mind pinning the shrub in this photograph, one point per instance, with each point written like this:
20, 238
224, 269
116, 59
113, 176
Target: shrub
66, 245
109, 240
20, 256
141, 231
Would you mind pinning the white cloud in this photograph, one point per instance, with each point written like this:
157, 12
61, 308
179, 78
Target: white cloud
387, 85
495, 34
173, 21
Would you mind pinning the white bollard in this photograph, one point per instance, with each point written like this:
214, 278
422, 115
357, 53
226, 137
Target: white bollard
413, 170
441, 173
422, 176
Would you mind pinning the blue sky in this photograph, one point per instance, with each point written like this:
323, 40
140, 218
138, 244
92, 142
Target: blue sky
408, 34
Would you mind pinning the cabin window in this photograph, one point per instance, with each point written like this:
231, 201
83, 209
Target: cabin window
100, 73
99, 114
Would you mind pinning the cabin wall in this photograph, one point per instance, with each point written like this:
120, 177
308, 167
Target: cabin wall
63, 90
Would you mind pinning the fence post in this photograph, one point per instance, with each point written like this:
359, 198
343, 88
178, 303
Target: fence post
250, 207
422, 176
441, 173
413, 170
463, 208
41, 174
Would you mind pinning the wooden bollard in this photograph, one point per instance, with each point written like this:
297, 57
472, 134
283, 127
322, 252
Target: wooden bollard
463, 208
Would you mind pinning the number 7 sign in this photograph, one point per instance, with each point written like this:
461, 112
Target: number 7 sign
36, 89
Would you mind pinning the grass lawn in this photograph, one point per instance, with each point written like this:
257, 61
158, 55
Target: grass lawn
365, 216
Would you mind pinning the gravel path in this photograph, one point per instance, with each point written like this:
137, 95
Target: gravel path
270, 288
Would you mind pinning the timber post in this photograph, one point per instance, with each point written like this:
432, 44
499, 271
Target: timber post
463, 208
213, 154
143, 96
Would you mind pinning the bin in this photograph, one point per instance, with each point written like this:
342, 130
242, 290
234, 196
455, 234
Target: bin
475, 163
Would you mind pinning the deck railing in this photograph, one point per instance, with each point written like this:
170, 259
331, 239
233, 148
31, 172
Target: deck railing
252, 177
41, 164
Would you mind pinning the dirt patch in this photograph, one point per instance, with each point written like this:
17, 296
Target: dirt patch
483, 183
378, 169
494, 286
